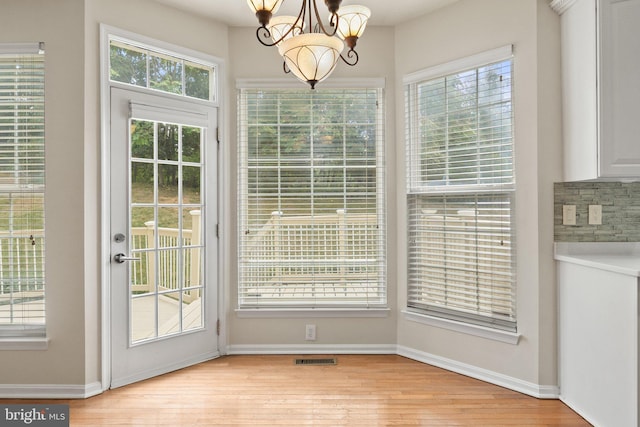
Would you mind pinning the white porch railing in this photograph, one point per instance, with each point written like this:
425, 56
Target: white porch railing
22, 263
165, 268
321, 256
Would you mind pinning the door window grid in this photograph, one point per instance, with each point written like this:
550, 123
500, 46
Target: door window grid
166, 185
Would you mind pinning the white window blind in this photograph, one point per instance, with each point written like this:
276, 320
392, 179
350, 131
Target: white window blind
22, 179
460, 192
311, 198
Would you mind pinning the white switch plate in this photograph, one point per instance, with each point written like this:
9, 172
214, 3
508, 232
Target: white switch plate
595, 214
569, 214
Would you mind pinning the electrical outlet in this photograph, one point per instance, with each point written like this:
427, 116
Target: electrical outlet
569, 214
310, 333
595, 214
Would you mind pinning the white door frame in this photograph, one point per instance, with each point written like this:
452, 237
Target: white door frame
105, 137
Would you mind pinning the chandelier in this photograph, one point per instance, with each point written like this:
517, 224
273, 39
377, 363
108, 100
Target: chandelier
311, 50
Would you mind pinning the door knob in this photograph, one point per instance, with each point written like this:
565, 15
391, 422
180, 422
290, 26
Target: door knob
120, 258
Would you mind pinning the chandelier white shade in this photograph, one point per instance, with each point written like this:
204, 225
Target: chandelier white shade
264, 9
352, 20
311, 57
280, 28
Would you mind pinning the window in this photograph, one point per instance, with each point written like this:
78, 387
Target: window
311, 198
22, 180
460, 191
136, 65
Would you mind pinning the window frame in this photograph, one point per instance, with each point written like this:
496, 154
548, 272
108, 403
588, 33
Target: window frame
323, 310
27, 336
418, 187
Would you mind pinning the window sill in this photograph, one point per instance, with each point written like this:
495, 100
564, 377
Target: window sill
311, 312
20, 344
479, 331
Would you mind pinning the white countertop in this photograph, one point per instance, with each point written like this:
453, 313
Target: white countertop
623, 258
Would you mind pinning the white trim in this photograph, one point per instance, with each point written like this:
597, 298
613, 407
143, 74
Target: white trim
462, 64
26, 343
561, 6
185, 363
271, 313
158, 46
108, 33
49, 391
515, 384
237, 349
333, 83
465, 328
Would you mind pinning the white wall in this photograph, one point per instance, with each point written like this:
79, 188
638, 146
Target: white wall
33, 21
465, 28
249, 59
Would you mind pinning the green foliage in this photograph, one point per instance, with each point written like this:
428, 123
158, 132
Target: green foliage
468, 116
311, 152
132, 65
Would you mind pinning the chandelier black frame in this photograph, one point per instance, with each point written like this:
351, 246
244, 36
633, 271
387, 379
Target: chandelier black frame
347, 23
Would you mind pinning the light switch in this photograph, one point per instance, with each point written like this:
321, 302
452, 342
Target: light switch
595, 214
569, 214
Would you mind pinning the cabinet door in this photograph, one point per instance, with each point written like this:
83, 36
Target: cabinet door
619, 88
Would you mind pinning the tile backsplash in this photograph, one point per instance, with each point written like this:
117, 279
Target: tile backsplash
620, 211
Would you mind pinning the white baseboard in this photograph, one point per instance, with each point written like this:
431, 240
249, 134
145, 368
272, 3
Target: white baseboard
49, 391
515, 384
312, 349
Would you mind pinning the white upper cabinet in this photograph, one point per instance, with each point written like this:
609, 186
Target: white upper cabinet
601, 88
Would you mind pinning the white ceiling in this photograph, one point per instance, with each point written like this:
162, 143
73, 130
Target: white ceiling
237, 13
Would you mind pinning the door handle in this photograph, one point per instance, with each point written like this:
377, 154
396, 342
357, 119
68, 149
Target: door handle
120, 258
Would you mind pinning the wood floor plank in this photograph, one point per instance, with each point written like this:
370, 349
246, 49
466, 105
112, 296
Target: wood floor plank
361, 390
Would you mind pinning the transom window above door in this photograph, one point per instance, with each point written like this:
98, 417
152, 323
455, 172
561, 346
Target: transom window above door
138, 65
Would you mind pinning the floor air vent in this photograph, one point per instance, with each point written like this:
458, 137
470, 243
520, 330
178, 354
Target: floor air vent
331, 361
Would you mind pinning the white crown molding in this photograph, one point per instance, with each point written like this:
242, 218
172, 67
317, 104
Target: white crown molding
49, 391
560, 6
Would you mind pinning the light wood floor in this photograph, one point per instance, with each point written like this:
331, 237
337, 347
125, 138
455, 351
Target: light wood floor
358, 391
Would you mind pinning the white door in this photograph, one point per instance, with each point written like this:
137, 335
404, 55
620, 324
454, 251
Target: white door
163, 186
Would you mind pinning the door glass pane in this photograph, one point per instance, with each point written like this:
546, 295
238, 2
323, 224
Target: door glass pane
141, 139
143, 315
142, 182
168, 183
166, 234
169, 320
167, 141
191, 185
